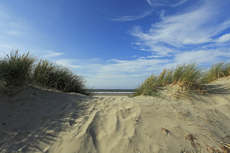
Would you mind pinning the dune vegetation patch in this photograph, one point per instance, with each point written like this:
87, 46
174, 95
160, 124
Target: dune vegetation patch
19, 70
183, 80
15, 70
59, 77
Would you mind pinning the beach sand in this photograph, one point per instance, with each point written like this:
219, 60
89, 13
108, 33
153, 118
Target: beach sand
36, 119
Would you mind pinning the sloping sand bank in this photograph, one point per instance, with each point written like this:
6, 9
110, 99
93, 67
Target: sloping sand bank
39, 120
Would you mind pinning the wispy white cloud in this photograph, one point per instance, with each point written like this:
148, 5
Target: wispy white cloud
193, 27
179, 3
131, 18
82, 65
155, 3
50, 53
134, 56
12, 26
69, 63
115, 66
165, 3
149, 12
200, 56
112, 60
153, 56
149, 2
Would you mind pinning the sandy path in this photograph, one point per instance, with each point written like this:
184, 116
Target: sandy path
110, 122
136, 125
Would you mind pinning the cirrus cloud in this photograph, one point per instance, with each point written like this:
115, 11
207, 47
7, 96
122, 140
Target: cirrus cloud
188, 30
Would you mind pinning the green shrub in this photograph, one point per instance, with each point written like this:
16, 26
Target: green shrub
15, 70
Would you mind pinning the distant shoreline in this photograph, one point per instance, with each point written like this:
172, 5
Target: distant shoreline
110, 94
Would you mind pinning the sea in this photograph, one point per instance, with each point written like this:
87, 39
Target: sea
113, 91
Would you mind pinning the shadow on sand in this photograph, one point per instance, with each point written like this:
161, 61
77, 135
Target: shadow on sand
32, 118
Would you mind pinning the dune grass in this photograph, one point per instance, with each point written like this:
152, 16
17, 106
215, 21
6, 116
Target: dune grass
148, 87
188, 78
59, 77
16, 71
216, 71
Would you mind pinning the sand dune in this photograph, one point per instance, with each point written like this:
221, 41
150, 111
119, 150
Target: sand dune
42, 120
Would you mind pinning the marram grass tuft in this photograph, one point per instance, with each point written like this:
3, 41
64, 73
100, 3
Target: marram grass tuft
15, 70
184, 78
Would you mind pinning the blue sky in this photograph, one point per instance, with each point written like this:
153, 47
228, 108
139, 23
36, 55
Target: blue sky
117, 43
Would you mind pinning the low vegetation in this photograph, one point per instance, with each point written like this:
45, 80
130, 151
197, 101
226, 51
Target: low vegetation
216, 71
59, 77
16, 71
186, 79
